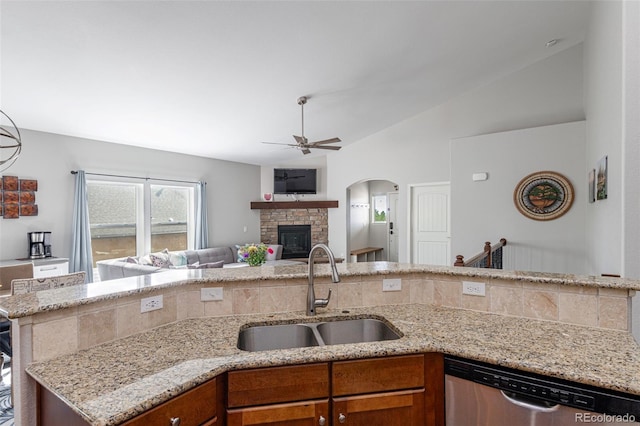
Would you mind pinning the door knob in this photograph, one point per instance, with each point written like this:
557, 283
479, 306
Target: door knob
342, 418
175, 421
322, 421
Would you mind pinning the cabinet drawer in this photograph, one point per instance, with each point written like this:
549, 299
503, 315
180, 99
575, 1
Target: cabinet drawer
193, 407
50, 270
278, 384
377, 375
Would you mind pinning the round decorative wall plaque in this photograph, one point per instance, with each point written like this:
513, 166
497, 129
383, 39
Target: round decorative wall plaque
543, 195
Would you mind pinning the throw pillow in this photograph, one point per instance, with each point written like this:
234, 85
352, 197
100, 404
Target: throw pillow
131, 260
177, 258
240, 258
160, 259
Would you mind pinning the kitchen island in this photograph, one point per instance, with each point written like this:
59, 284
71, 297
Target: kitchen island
109, 382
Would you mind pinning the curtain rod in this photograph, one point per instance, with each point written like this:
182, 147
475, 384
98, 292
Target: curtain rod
75, 172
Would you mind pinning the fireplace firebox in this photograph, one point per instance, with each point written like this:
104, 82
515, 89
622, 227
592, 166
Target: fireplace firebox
295, 240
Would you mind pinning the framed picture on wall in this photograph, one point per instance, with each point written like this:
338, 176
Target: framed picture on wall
592, 186
601, 179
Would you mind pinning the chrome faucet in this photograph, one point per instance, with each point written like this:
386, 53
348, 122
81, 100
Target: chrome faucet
312, 302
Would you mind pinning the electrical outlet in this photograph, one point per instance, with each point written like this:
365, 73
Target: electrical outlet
392, 284
472, 288
150, 303
210, 293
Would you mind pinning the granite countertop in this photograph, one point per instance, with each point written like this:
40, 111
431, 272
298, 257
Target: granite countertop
51, 300
115, 381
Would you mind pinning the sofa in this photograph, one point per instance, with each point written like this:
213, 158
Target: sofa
213, 257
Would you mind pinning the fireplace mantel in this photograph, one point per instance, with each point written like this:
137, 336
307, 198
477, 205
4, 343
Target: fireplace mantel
276, 205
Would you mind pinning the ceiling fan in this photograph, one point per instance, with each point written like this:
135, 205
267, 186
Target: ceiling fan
303, 143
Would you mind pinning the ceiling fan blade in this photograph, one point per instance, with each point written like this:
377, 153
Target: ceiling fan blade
306, 151
332, 140
278, 143
334, 148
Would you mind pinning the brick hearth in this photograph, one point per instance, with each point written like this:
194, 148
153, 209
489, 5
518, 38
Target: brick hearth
318, 218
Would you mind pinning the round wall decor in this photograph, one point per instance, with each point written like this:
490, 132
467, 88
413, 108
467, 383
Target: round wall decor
543, 195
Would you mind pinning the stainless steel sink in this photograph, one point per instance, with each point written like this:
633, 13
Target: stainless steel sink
269, 337
355, 331
302, 335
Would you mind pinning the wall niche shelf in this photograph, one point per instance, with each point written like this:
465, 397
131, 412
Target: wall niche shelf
274, 205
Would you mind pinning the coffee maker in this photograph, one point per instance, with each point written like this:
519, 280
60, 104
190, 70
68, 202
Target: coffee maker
39, 244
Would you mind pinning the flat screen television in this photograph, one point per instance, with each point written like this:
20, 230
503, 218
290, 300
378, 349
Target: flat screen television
294, 181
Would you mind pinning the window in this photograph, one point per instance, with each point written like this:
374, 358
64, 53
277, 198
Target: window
379, 210
132, 219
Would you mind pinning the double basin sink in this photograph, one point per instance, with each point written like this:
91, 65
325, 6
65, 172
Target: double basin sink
309, 334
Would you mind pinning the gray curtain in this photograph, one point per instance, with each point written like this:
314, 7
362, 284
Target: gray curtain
81, 258
202, 226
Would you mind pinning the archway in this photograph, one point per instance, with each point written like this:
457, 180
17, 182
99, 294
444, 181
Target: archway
371, 209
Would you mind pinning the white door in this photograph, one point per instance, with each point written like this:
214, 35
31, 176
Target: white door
430, 227
392, 226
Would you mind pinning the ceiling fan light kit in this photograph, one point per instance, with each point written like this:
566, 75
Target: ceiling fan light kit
302, 143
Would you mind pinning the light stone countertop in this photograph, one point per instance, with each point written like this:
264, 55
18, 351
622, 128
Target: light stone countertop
51, 300
115, 381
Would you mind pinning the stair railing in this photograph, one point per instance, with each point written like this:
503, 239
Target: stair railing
490, 257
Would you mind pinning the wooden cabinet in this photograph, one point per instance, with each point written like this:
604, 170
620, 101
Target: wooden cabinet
295, 395
200, 406
403, 408
196, 407
307, 413
391, 391
381, 391
403, 390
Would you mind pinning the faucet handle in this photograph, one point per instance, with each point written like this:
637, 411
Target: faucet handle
322, 303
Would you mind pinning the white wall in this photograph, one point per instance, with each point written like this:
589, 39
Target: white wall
49, 158
319, 163
417, 150
485, 211
603, 110
359, 217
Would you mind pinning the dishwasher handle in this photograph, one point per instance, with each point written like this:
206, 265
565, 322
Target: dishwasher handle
529, 403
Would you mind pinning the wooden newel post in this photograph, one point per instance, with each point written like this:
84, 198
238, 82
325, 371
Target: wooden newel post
487, 249
459, 260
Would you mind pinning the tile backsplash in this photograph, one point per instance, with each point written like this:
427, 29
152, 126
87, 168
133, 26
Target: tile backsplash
67, 331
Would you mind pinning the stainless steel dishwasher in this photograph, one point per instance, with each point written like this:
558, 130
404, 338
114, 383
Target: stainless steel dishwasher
479, 394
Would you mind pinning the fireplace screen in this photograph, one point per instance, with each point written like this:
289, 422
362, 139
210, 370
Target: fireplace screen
295, 240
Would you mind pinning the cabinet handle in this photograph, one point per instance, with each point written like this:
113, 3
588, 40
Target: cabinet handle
342, 418
322, 421
175, 421
49, 268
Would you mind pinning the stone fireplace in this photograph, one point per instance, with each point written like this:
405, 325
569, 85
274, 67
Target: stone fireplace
316, 220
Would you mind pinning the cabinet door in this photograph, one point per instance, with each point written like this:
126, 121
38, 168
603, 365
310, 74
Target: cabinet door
195, 407
308, 413
403, 408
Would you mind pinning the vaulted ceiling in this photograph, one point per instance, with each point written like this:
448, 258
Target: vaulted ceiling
217, 78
